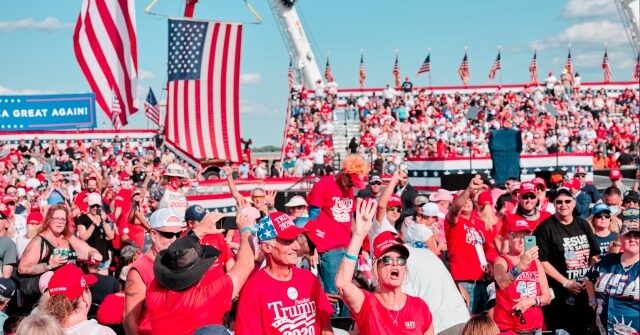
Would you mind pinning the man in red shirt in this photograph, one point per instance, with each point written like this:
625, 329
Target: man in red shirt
464, 231
81, 199
193, 216
331, 206
281, 298
186, 293
526, 210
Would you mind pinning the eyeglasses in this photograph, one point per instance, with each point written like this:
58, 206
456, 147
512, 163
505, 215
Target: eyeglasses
169, 235
58, 219
388, 260
11, 203
566, 201
529, 196
394, 209
602, 215
297, 208
378, 183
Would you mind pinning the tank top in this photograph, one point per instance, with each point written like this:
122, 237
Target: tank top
144, 266
526, 285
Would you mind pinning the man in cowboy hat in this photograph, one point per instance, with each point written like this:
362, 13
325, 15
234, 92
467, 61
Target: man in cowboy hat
173, 196
281, 286
185, 294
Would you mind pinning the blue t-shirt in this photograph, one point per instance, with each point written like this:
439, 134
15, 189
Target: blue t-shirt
618, 295
55, 198
604, 242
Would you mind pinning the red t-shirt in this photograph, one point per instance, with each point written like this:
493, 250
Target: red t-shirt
373, 319
272, 307
526, 285
144, 267
182, 313
332, 229
111, 310
217, 241
513, 217
80, 201
461, 244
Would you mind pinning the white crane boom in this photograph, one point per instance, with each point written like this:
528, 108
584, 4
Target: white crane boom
628, 10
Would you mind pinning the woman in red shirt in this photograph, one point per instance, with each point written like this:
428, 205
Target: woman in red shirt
522, 287
388, 310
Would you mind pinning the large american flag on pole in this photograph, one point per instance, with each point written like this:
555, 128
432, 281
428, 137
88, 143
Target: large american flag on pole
605, 67
105, 45
116, 111
290, 75
533, 68
495, 67
463, 70
636, 70
426, 65
203, 90
569, 65
327, 72
363, 73
396, 73
151, 108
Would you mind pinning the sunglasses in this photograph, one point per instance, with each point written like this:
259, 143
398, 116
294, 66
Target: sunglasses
169, 235
376, 183
518, 314
95, 206
388, 260
580, 176
631, 201
566, 201
257, 197
11, 203
602, 215
529, 197
394, 209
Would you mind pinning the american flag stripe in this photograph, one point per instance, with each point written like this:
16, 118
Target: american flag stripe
426, 65
105, 47
606, 68
151, 108
362, 72
204, 110
636, 70
533, 69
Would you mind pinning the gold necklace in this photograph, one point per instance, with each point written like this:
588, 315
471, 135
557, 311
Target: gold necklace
395, 320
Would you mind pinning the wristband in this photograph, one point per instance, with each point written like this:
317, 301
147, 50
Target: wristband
515, 272
245, 229
565, 283
351, 257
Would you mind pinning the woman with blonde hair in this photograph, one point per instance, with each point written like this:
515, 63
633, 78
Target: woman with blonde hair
480, 325
604, 228
70, 301
39, 324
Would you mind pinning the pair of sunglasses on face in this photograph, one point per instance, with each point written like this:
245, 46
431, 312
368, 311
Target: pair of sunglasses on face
169, 235
394, 209
388, 260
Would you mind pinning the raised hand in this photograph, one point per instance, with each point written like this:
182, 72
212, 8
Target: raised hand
243, 220
227, 171
208, 224
364, 217
477, 184
528, 256
270, 198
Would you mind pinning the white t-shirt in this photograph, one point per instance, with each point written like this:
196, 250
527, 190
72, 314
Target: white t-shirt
89, 327
174, 200
20, 225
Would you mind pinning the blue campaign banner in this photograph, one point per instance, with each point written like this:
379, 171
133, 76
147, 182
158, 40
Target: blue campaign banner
47, 112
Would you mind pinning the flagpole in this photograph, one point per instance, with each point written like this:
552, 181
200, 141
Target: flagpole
430, 86
500, 47
465, 82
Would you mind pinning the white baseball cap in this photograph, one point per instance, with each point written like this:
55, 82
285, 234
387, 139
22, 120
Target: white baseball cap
431, 209
94, 199
165, 217
296, 201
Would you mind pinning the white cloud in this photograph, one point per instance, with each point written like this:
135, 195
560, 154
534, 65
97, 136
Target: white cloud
592, 33
28, 91
589, 8
250, 78
261, 109
47, 25
144, 75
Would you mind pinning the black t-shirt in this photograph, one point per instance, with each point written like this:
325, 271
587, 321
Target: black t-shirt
138, 177
567, 247
365, 193
98, 239
105, 286
407, 86
159, 139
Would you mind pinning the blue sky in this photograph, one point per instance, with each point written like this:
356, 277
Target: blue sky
37, 51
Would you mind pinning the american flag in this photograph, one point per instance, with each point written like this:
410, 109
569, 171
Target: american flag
496, 66
426, 65
116, 110
363, 73
605, 67
579, 259
636, 70
569, 65
327, 72
290, 75
396, 72
105, 45
203, 99
533, 69
151, 108
463, 70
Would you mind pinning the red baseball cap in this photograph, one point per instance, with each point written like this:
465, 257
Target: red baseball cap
124, 176
4, 210
278, 224
111, 310
573, 183
540, 181
386, 241
395, 201
580, 170
356, 180
519, 225
485, 198
70, 281
615, 174
34, 218
7, 198
527, 187
35, 207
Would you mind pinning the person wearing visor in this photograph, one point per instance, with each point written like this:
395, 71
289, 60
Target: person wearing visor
522, 287
297, 208
389, 310
281, 286
612, 285
331, 207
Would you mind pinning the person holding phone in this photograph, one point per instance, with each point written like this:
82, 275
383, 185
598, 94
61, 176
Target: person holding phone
522, 287
93, 229
193, 216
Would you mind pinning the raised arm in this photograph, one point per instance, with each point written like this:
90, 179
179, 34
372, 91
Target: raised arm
388, 192
245, 257
349, 292
232, 185
475, 185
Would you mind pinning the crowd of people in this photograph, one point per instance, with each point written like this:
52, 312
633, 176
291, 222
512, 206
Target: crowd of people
112, 246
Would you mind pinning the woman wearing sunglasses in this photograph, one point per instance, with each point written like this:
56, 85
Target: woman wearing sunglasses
522, 287
93, 229
604, 229
388, 310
